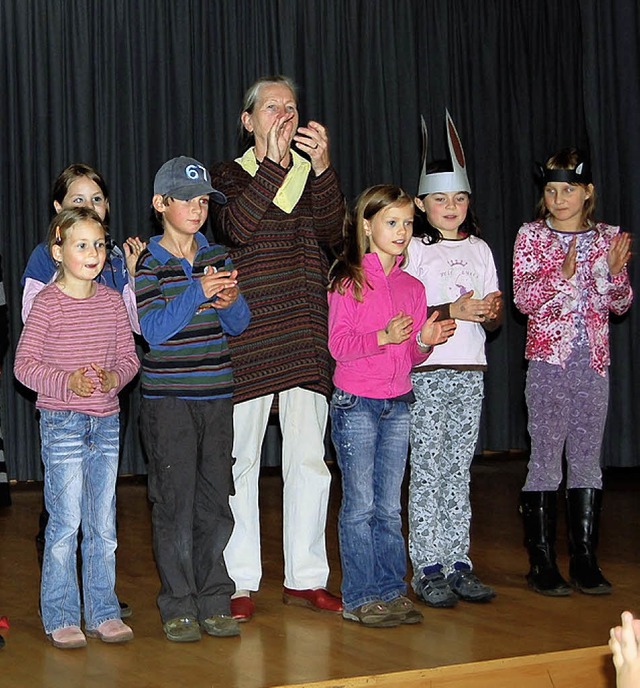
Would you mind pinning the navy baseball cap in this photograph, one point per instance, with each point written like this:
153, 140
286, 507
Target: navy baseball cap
185, 178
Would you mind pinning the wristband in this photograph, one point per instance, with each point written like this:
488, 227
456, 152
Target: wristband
425, 347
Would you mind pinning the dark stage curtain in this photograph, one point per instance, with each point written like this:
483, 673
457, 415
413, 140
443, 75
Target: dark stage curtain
611, 74
5, 498
125, 84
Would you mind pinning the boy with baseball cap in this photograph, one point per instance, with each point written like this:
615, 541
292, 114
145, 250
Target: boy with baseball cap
188, 303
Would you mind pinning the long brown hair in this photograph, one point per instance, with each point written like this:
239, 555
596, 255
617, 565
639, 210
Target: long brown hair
70, 174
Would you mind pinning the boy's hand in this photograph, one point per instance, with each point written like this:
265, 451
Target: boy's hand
80, 384
108, 379
214, 282
226, 297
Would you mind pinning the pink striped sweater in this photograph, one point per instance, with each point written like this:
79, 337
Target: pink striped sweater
63, 334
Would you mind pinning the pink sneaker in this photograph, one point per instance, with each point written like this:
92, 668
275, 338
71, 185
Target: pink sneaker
68, 638
112, 631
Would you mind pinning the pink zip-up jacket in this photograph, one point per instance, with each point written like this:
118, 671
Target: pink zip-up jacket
541, 292
362, 366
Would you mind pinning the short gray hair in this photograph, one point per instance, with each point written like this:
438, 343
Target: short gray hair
252, 93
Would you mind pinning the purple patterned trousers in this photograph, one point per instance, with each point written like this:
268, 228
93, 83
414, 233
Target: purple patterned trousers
567, 410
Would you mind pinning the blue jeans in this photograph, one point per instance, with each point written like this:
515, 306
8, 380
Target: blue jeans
80, 457
371, 437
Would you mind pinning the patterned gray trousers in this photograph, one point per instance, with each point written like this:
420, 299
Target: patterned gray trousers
445, 420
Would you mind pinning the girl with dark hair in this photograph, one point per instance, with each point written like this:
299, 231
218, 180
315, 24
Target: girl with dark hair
378, 329
569, 272
457, 270
81, 186
428, 233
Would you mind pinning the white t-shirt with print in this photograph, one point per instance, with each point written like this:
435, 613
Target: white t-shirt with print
448, 269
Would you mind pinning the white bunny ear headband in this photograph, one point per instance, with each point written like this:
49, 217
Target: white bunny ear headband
439, 182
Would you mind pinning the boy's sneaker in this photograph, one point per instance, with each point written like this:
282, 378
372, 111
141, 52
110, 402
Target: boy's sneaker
404, 607
467, 586
221, 626
182, 630
125, 610
434, 589
374, 614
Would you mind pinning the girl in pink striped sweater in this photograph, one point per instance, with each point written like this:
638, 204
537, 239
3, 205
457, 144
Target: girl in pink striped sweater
77, 352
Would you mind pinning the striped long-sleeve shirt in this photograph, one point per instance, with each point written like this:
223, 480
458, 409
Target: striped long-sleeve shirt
282, 270
188, 351
63, 334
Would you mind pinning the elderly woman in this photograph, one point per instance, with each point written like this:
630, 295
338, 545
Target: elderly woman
282, 209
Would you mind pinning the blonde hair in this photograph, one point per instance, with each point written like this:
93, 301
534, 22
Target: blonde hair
347, 270
64, 222
569, 159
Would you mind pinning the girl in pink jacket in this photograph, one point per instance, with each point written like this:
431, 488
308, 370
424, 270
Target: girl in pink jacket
568, 273
377, 333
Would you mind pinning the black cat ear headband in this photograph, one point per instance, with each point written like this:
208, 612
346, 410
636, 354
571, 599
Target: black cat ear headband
581, 174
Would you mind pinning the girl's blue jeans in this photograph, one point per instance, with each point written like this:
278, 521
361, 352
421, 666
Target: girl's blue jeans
80, 457
371, 438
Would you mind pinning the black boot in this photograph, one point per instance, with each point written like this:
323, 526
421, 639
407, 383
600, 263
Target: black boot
540, 514
583, 514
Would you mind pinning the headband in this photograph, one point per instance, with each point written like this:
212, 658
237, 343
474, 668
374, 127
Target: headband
581, 174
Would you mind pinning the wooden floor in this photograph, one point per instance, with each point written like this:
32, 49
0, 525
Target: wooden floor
284, 645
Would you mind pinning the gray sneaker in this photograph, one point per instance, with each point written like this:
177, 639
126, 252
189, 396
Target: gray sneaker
182, 630
467, 586
221, 626
404, 607
375, 614
434, 590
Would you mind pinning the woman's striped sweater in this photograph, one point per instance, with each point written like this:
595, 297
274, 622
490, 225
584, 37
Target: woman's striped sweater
282, 271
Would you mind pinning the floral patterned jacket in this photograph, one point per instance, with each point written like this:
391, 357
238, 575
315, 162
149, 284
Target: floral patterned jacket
550, 300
